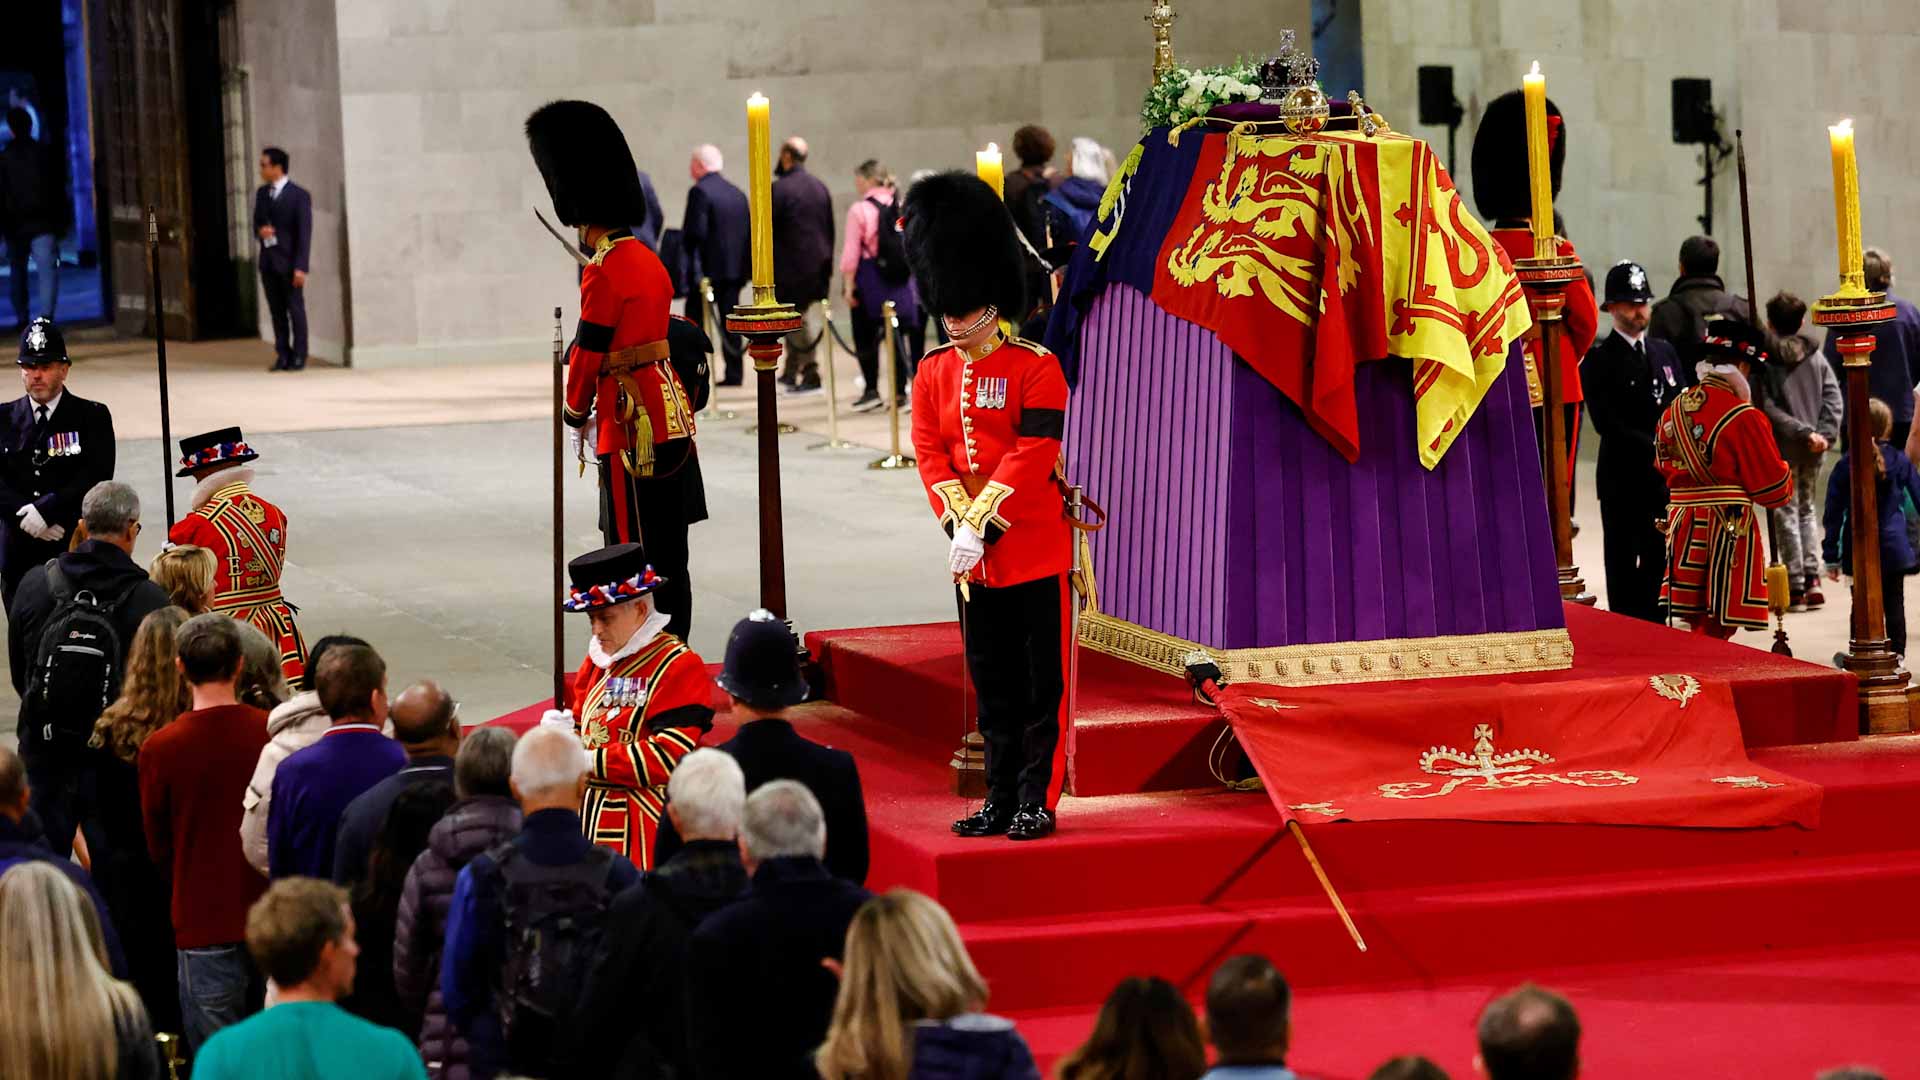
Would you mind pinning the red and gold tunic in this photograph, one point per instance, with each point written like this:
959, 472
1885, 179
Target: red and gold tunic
618, 366
1582, 321
986, 430
248, 537
638, 718
1719, 457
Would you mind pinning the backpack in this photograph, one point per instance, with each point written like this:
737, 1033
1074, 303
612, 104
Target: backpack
79, 663
890, 254
555, 923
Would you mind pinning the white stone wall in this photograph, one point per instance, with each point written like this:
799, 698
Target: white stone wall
1782, 70
447, 261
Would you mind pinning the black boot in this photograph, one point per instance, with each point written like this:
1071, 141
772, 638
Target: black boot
991, 819
1031, 823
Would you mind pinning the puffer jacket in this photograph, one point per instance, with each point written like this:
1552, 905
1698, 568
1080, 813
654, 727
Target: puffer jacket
294, 725
471, 827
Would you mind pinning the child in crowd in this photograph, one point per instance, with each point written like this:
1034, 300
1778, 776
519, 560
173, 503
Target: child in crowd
1894, 476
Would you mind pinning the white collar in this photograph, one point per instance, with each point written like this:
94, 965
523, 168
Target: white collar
1727, 373
225, 477
279, 184
1630, 339
52, 407
650, 629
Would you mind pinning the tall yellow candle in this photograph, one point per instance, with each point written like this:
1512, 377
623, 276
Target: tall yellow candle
986, 164
1539, 161
1846, 206
760, 190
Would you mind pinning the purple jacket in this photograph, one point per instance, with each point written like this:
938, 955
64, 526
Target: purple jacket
471, 827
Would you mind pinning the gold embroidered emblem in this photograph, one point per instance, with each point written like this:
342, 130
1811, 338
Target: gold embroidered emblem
1270, 703
1495, 770
254, 511
1745, 782
1326, 808
1675, 688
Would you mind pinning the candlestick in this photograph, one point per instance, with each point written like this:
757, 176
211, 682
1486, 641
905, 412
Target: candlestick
986, 163
1539, 161
760, 192
1846, 207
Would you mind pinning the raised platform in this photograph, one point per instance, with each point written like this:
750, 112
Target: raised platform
1140, 730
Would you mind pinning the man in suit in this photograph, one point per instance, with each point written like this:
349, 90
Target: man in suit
648, 231
283, 220
34, 211
766, 956
762, 674
54, 446
715, 234
1630, 377
802, 259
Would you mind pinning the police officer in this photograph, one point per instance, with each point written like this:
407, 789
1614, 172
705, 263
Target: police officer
1630, 377
54, 445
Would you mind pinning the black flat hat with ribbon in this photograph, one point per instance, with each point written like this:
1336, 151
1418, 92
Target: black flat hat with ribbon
1732, 341
612, 575
763, 663
223, 447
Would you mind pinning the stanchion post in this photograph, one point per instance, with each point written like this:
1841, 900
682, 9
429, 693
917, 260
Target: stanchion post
1545, 281
890, 356
1870, 656
834, 441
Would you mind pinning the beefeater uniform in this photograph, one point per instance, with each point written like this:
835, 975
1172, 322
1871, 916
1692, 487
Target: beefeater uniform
638, 714
987, 425
248, 537
1503, 195
1719, 457
625, 383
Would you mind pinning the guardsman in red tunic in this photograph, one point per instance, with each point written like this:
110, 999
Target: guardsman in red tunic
248, 537
1719, 457
989, 411
635, 376
642, 700
1504, 198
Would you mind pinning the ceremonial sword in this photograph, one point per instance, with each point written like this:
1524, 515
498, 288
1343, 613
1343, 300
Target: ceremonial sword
572, 249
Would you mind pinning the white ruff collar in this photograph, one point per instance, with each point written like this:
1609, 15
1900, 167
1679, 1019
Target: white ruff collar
656, 622
224, 478
1727, 373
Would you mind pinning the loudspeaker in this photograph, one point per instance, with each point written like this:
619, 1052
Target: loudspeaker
1437, 103
1693, 112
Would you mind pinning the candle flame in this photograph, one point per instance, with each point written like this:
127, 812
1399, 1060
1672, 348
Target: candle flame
1844, 127
1536, 68
994, 148
758, 98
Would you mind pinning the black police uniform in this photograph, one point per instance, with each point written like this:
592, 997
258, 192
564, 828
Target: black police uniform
1628, 386
47, 461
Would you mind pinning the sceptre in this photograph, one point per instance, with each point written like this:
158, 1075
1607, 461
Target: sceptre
559, 524
1779, 587
160, 355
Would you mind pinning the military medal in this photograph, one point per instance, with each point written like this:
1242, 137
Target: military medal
990, 393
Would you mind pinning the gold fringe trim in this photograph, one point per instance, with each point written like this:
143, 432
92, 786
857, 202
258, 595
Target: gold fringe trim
1385, 660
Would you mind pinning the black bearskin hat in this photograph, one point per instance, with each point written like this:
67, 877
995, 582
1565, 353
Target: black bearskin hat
962, 247
1501, 189
584, 159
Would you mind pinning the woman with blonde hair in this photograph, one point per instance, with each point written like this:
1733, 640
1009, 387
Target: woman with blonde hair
910, 1001
63, 1016
186, 572
151, 695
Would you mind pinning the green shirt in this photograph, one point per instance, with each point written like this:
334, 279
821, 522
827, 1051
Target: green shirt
308, 1040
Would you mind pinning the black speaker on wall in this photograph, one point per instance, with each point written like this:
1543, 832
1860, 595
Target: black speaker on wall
1693, 112
1437, 104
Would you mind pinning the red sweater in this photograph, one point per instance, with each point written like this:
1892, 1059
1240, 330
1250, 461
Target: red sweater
193, 784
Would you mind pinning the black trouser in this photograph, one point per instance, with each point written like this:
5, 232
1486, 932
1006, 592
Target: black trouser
1636, 557
1893, 603
24, 552
1013, 637
726, 295
661, 529
288, 306
866, 348
60, 787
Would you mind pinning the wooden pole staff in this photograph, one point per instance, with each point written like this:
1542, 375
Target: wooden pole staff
1779, 585
1326, 885
559, 520
160, 354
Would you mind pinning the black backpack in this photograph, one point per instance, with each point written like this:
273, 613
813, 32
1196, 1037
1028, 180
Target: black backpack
555, 924
77, 669
890, 254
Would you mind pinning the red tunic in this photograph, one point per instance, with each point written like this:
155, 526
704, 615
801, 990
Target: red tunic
248, 537
637, 719
986, 432
618, 364
1719, 457
1582, 321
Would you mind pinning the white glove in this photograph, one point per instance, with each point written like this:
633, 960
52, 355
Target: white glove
968, 550
57, 532
584, 440
32, 523
561, 719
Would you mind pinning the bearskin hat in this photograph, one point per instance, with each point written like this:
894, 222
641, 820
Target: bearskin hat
1731, 340
584, 159
962, 247
1501, 189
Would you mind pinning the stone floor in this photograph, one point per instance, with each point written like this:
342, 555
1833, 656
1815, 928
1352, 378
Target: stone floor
419, 510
